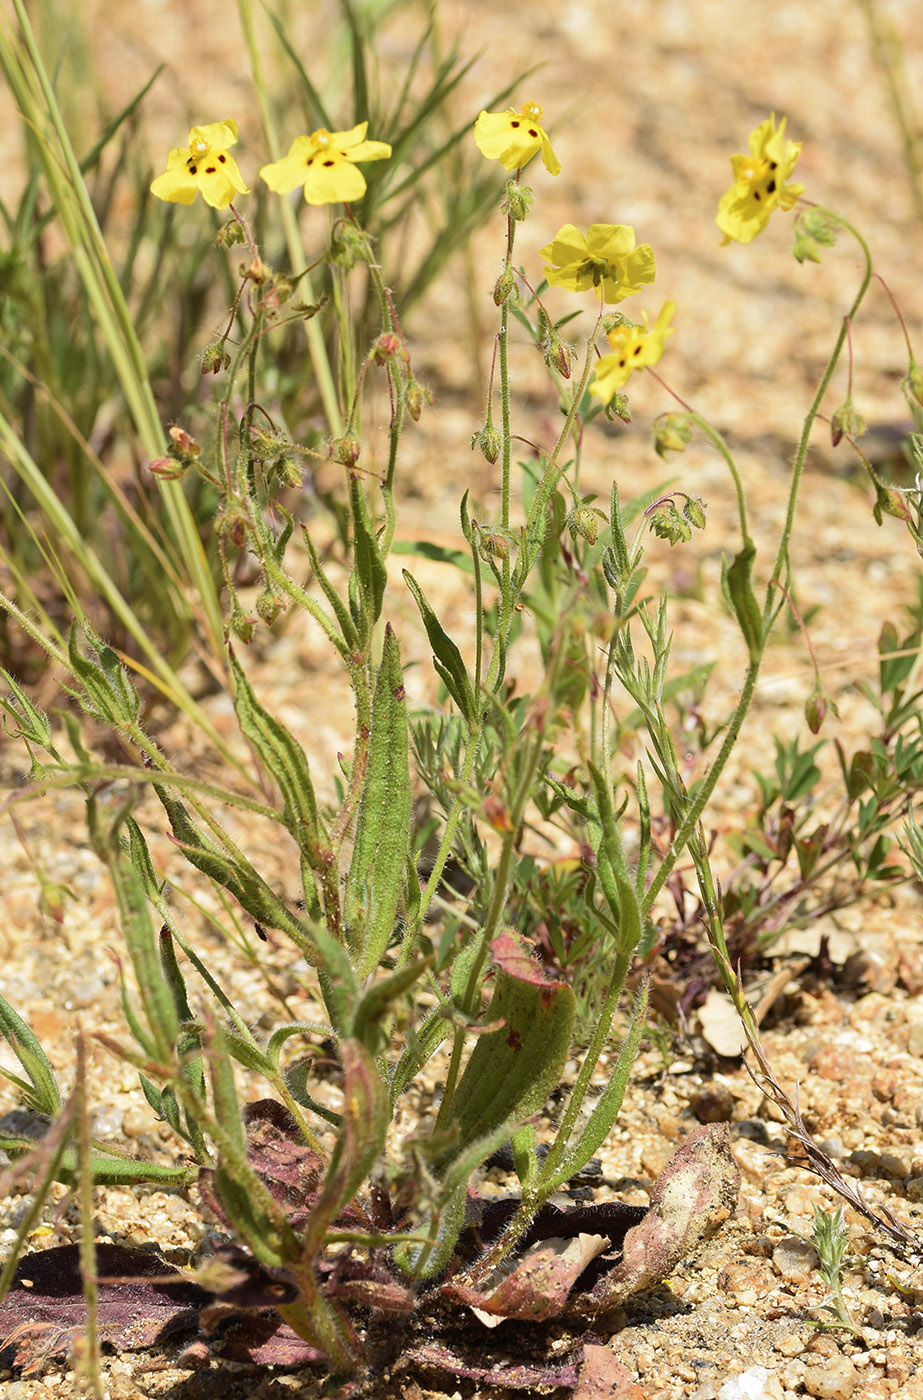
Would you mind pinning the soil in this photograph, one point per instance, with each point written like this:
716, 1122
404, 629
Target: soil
645, 103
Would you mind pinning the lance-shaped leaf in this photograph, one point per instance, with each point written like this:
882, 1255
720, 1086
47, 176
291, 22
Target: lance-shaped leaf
383, 824
41, 1091
359, 1144
447, 659
283, 756
237, 876
739, 590
370, 577
512, 1070
607, 1106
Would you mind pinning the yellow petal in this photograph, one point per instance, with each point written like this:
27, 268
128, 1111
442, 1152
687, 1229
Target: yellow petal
332, 181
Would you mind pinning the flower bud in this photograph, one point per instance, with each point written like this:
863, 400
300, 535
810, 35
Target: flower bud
388, 347
584, 521
489, 441
815, 709
230, 234
215, 358
268, 606
669, 525
846, 421
558, 355
241, 624
617, 407
504, 286
912, 384
345, 450
519, 200
417, 398
256, 271
348, 245
184, 446
694, 511
672, 433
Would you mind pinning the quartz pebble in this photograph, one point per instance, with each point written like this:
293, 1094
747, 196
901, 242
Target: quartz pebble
834, 1379
794, 1259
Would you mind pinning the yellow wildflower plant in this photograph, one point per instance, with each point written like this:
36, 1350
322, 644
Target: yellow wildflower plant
513, 138
759, 183
203, 166
633, 347
605, 257
324, 163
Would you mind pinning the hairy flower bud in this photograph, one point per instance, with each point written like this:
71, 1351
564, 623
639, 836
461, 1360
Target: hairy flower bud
558, 355
672, 433
519, 200
489, 441
215, 358
584, 521
417, 398
268, 606
345, 450
230, 234
504, 286
815, 709
846, 421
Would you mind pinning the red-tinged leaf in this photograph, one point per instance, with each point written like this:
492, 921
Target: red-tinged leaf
692, 1197
538, 1286
44, 1311
260, 1339
525, 1376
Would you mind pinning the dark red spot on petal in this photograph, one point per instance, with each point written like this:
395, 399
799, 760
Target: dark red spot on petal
222, 159
756, 194
533, 133
771, 187
514, 125
193, 169
329, 163
637, 350
310, 160
210, 169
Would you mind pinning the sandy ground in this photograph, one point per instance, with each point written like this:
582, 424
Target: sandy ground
646, 103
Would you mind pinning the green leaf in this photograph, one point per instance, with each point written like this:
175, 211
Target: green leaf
447, 659
41, 1092
383, 824
285, 759
511, 1071
737, 582
607, 1106
107, 1168
369, 575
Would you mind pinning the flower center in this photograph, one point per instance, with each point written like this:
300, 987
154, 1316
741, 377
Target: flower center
760, 175
320, 139
199, 147
532, 112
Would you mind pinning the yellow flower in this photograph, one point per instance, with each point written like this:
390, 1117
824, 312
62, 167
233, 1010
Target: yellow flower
634, 347
324, 163
202, 165
759, 183
513, 138
605, 257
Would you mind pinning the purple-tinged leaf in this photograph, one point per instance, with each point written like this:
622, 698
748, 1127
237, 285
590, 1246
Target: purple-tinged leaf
537, 1287
524, 1376
692, 1197
44, 1311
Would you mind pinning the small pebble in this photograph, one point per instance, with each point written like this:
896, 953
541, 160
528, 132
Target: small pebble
835, 1379
794, 1259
